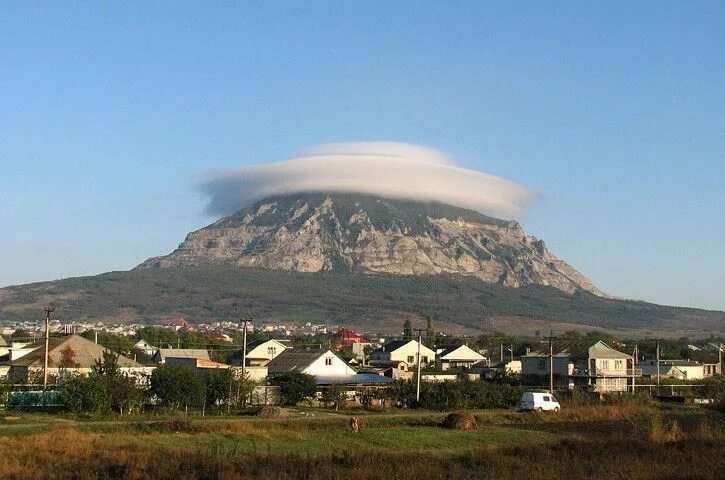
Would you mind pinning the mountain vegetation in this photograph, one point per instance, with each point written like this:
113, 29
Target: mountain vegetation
203, 294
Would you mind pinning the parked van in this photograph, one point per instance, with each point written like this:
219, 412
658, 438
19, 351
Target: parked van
539, 402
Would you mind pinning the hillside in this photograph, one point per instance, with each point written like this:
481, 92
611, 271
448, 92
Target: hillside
353, 233
379, 302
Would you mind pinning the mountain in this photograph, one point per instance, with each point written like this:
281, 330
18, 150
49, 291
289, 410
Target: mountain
364, 234
362, 262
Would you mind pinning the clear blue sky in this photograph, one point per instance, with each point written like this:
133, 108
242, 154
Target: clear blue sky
613, 112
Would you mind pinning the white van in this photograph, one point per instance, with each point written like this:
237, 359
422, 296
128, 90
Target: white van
539, 401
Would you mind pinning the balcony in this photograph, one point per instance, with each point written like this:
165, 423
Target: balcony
608, 373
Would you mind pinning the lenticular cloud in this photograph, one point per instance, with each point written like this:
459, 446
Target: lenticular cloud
387, 169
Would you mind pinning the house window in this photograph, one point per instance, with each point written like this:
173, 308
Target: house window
271, 350
605, 364
542, 364
618, 364
411, 360
423, 359
328, 360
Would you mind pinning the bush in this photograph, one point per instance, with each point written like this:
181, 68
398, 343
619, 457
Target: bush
178, 386
294, 387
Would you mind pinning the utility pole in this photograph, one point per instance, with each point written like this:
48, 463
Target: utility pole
417, 360
658, 367
48, 311
719, 358
551, 363
244, 350
501, 352
512, 353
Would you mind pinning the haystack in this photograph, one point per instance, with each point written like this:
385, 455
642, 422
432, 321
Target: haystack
460, 421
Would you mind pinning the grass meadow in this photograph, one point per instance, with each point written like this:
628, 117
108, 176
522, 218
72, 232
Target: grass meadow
604, 442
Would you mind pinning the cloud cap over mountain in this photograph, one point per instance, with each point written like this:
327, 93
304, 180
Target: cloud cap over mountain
387, 169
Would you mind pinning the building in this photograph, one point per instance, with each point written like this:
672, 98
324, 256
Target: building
598, 367
404, 351
4, 347
462, 357
163, 354
261, 352
145, 347
67, 355
345, 337
315, 362
679, 369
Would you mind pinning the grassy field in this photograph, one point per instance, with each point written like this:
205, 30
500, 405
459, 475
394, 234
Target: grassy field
608, 442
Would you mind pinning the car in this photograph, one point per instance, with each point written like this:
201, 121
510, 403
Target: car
538, 402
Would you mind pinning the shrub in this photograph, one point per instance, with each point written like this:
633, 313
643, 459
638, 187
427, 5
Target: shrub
294, 387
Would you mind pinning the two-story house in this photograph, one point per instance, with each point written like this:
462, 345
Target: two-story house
596, 367
404, 351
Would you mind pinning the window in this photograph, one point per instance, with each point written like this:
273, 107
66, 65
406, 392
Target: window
618, 364
542, 364
423, 359
328, 360
271, 350
411, 360
546, 398
605, 364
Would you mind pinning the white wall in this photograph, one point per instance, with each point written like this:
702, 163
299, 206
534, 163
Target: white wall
337, 366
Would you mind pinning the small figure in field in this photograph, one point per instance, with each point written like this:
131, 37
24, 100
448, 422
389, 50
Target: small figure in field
355, 424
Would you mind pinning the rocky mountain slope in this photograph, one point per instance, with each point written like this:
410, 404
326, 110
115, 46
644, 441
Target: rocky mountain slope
364, 234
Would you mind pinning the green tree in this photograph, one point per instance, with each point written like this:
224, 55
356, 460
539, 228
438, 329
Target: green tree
294, 387
178, 386
335, 396
106, 389
407, 330
430, 333
218, 387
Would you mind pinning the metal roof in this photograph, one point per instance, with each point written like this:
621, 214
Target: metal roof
357, 379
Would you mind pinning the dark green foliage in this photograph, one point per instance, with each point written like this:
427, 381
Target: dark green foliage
407, 330
178, 386
466, 394
430, 333
335, 396
209, 293
218, 383
294, 387
104, 390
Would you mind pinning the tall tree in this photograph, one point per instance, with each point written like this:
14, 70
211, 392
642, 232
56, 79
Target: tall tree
430, 333
407, 330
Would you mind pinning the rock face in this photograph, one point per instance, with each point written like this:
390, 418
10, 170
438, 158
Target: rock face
352, 232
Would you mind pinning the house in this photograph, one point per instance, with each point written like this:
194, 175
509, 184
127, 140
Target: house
597, 367
404, 351
163, 354
177, 324
317, 362
461, 357
67, 355
145, 347
396, 370
345, 337
261, 352
679, 369
4, 347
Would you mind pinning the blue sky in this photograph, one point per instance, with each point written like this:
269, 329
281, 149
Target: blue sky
612, 113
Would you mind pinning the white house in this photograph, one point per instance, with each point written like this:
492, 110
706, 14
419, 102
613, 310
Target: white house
162, 354
316, 362
145, 347
597, 367
404, 351
459, 357
680, 369
260, 352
